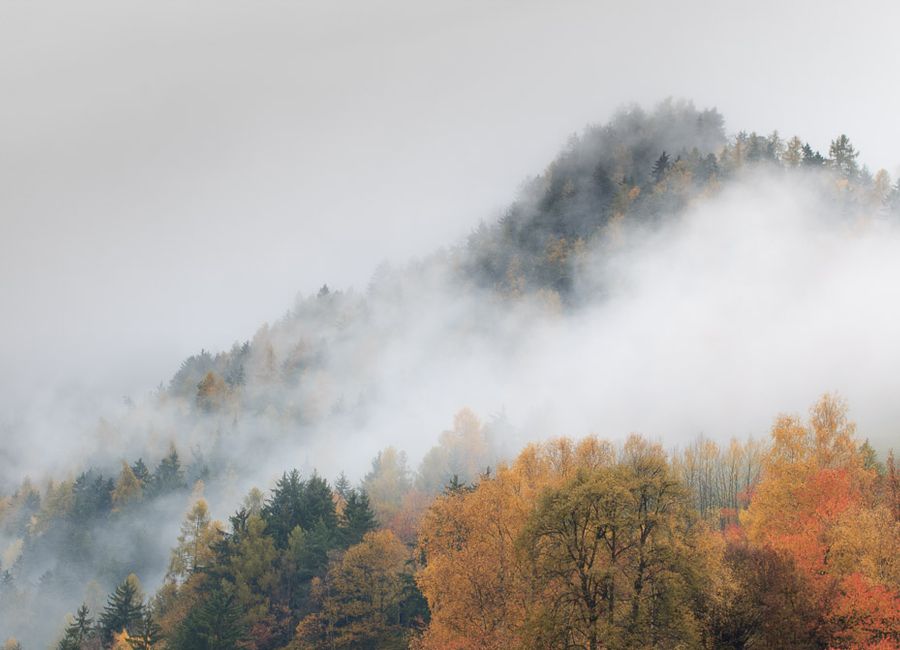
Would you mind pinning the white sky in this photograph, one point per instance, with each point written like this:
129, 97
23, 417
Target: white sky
172, 173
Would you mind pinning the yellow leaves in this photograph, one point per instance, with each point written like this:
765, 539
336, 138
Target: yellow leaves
463, 451
866, 541
816, 505
120, 641
11, 553
360, 595
212, 392
479, 579
478, 588
387, 483
798, 452
128, 488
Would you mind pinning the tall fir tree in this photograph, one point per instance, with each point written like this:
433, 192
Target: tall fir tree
124, 609
358, 518
81, 629
214, 624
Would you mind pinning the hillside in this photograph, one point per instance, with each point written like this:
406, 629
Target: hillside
265, 435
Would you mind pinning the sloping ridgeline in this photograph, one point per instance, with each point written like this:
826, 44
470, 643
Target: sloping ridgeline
608, 172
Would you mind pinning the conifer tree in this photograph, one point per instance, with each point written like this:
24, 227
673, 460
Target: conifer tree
281, 511
342, 486
128, 488
843, 157
78, 631
660, 167
141, 472
358, 518
214, 624
812, 158
123, 610
169, 475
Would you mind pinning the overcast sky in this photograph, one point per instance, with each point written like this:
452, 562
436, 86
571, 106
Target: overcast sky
173, 173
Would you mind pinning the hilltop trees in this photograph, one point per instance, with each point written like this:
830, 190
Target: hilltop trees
843, 157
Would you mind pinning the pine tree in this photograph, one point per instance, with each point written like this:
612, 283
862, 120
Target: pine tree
843, 157
215, 624
282, 510
295, 502
317, 504
78, 631
123, 610
141, 472
169, 475
358, 518
661, 166
812, 158
342, 486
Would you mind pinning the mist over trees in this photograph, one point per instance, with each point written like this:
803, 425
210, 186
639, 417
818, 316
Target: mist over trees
484, 538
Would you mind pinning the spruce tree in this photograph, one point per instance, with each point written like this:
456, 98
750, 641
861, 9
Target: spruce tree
141, 472
282, 510
169, 475
123, 610
214, 624
78, 631
358, 518
660, 167
342, 486
317, 504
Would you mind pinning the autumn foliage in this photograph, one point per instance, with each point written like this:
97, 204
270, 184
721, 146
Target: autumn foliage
582, 545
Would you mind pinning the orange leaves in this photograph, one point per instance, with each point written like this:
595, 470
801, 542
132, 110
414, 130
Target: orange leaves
866, 614
816, 505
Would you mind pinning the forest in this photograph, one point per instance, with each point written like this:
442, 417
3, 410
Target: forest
226, 510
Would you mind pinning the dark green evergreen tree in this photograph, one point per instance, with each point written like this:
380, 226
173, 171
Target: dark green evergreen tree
169, 475
317, 504
357, 519
214, 624
123, 611
660, 167
282, 510
342, 486
812, 158
141, 472
295, 502
78, 631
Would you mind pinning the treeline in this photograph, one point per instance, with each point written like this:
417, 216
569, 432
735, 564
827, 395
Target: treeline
574, 544
581, 545
73, 536
641, 169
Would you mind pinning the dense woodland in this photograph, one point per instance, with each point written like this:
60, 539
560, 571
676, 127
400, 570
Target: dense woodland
790, 540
